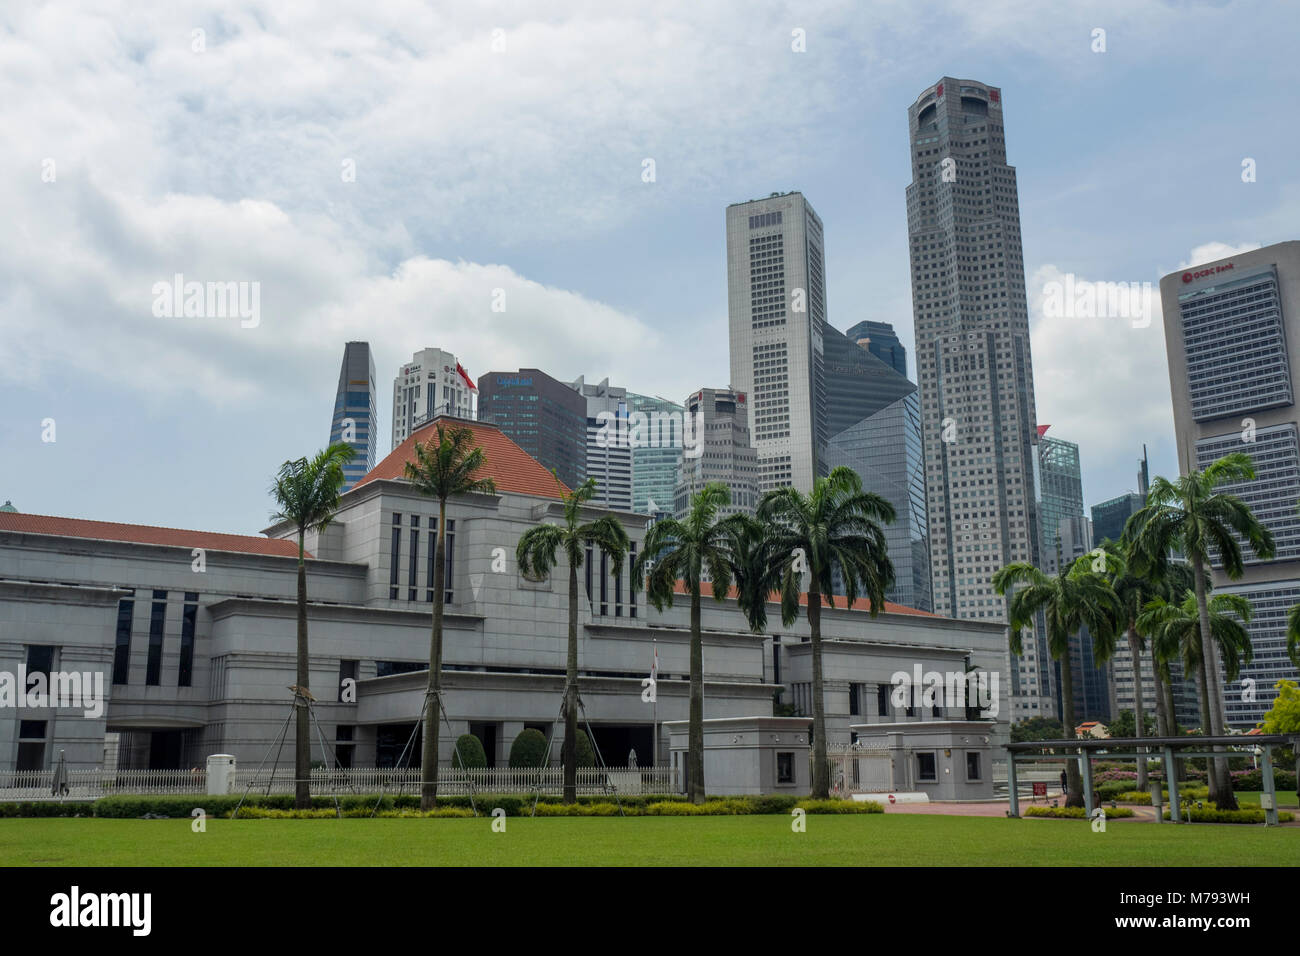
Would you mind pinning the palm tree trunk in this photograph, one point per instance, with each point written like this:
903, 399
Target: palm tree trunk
695, 736
1073, 779
1139, 713
1221, 788
1164, 726
1204, 688
569, 749
821, 783
433, 711
302, 736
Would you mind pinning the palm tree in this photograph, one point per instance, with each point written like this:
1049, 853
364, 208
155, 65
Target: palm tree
536, 553
1135, 591
442, 469
1075, 597
1192, 517
307, 492
835, 528
687, 550
1175, 631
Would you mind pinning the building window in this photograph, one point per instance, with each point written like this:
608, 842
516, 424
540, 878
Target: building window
395, 557
157, 622
189, 617
972, 765
784, 767
854, 700
347, 672
926, 768
882, 700
604, 584
31, 745
40, 660
122, 647
343, 745
631, 591
414, 561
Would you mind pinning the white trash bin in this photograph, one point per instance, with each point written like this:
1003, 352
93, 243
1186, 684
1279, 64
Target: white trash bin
221, 774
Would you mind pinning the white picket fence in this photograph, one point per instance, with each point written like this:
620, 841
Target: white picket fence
30, 785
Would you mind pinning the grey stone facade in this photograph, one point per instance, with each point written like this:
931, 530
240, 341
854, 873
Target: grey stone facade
62, 584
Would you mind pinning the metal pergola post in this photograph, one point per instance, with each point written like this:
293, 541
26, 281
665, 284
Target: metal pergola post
1012, 786
1085, 768
1171, 776
1270, 812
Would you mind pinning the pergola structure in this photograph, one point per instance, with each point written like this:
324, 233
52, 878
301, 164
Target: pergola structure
1144, 748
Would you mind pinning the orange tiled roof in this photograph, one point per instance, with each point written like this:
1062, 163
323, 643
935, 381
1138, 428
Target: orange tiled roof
147, 534
508, 465
861, 604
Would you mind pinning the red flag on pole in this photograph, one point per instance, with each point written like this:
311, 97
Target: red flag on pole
465, 375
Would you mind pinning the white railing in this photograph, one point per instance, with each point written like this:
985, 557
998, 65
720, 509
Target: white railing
856, 769
28, 785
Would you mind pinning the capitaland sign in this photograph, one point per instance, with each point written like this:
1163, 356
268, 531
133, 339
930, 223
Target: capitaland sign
513, 381
1202, 273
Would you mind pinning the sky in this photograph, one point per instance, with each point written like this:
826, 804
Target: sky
379, 171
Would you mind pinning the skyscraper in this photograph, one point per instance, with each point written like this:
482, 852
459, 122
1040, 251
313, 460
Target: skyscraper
432, 383
973, 360
725, 455
1060, 486
609, 449
880, 339
874, 419
776, 306
1231, 327
542, 415
656, 453
354, 420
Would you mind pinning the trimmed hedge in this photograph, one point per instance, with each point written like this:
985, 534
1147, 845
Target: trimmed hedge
528, 749
468, 753
42, 809
1212, 814
1254, 779
1075, 813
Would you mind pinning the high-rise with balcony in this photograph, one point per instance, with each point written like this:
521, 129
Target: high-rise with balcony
354, 420
1232, 327
973, 361
432, 383
776, 305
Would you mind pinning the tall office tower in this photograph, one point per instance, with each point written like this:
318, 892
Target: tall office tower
880, 339
972, 359
355, 420
874, 418
542, 415
724, 452
1110, 516
776, 308
432, 383
657, 443
609, 444
1231, 327
1060, 487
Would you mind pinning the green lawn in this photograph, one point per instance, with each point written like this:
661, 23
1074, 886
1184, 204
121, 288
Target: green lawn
1250, 798
886, 839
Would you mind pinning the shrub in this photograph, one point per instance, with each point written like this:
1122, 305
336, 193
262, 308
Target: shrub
528, 749
40, 808
840, 806
1254, 779
1213, 814
584, 810
468, 753
1075, 813
586, 753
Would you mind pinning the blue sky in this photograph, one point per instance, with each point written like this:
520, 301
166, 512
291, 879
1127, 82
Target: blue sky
220, 156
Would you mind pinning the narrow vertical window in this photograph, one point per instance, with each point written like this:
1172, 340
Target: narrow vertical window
631, 591
395, 558
413, 575
189, 618
157, 622
122, 646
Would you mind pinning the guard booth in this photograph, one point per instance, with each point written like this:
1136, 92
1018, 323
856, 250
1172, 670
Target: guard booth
747, 755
